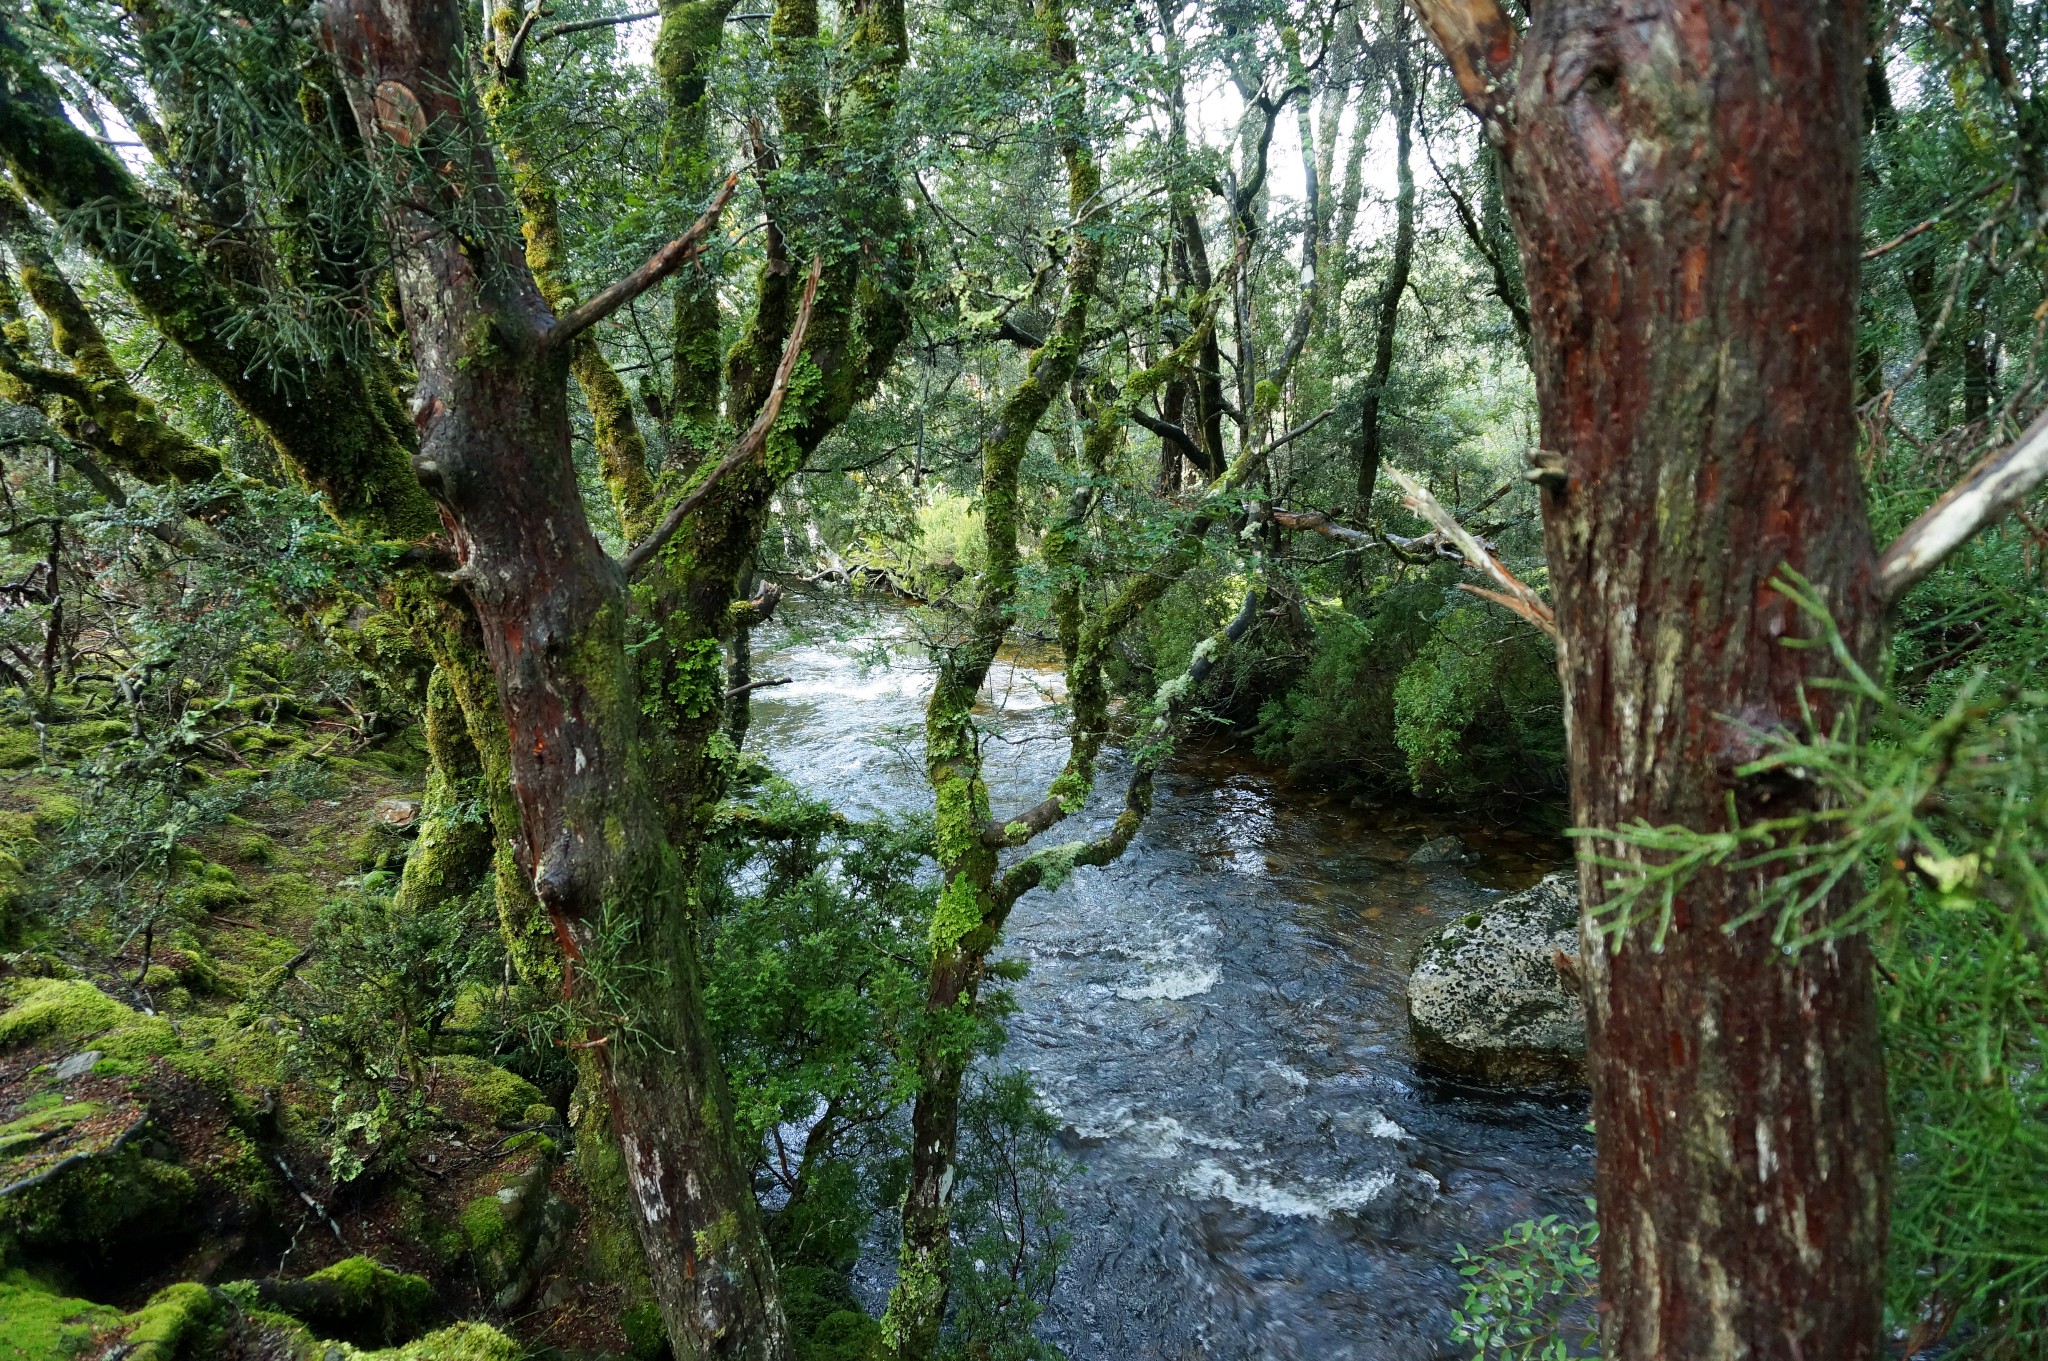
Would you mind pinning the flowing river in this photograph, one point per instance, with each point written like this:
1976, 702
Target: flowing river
1218, 1021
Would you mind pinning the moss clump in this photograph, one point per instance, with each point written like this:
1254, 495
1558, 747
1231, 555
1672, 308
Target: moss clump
115, 1199
37, 1322
483, 1224
504, 1096
463, 1342
173, 1324
18, 748
72, 1011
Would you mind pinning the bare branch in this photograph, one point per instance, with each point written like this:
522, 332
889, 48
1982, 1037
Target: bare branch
1528, 604
752, 686
1167, 430
750, 444
659, 266
1296, 433
1479, 42
1988, 492
1421, 548
553, 31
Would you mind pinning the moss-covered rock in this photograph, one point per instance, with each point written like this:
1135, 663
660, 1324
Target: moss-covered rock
39, 1323
178, 1321
356, 1300
98, 1200
497, 1094
515, 1232
72, 1012
463, 1342
193, 1322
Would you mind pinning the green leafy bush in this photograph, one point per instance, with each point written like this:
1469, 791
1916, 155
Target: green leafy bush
1529, 1297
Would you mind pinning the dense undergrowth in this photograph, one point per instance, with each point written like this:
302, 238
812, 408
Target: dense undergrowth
244, 1071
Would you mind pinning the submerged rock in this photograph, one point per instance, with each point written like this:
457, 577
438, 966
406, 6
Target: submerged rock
1496, 995
1442, 850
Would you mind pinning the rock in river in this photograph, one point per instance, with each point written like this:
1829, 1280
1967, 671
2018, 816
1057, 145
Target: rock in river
1443, 850
1496, 995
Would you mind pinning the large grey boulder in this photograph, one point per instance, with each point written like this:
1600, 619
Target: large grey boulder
1496, 995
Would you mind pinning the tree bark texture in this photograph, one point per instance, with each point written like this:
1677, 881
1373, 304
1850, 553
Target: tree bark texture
1683, 182
1685, 187
492, 413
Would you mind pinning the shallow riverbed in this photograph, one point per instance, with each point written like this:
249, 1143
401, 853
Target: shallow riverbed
1218, 1022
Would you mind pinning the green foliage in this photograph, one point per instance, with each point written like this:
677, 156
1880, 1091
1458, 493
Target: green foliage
811, 922
1529, 1297
1479, 713
1426, 693
1006, 1222
382, 984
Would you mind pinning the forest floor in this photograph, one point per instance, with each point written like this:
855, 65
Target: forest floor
172, 1099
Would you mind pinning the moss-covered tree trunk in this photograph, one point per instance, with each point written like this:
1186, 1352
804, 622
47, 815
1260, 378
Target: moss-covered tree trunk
1683, 182
492, 412
968, 916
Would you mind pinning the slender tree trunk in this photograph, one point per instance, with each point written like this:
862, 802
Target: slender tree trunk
965, 924
1369, 442
1683, 181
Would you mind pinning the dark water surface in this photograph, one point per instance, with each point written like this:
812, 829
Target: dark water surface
1218, 1022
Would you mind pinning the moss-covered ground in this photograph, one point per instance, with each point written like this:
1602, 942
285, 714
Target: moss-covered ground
172, 1099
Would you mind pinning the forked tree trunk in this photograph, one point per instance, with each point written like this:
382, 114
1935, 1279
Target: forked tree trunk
492, 412
1683, 182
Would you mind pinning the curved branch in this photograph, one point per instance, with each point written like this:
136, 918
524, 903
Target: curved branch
1053, 863
750, 444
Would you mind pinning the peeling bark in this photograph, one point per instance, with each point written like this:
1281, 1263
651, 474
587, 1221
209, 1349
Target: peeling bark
1683, 183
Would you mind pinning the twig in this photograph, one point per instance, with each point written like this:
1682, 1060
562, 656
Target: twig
1903, 237
750, 443
1999, 482
1514, 594
659, 266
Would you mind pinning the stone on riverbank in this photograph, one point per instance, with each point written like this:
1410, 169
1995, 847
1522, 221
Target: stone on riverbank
1496, 997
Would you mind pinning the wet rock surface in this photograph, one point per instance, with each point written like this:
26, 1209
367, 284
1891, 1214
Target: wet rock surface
1440, 850
1495, 996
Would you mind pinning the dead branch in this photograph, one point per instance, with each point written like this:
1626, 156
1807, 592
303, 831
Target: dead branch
1479, 42
1527, 603
1987, 493
753, 442
752, 686
659, 266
